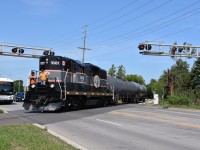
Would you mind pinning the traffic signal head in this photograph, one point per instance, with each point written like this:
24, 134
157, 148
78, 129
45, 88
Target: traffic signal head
14, 50
141, 46
180, 49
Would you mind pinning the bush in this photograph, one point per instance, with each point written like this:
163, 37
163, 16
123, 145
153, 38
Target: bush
1, 111
180, 100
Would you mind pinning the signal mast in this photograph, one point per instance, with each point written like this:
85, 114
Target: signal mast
172, 50
24, 51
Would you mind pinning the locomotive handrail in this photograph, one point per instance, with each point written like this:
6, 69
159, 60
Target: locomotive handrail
65, 84
113, 93
60, 88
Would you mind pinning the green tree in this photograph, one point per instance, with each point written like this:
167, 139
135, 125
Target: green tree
135, 78
121, 72
181, 76
112, 71
195, 78
18, 86
151, 88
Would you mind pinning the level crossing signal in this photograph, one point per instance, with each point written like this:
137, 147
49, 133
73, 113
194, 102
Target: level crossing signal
144, 46
173, 50
24, 51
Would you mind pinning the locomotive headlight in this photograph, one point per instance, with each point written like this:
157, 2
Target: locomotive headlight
52, 86
33, 86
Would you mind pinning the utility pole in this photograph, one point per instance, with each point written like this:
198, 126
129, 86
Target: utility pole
170, 82
18, 85
84, 44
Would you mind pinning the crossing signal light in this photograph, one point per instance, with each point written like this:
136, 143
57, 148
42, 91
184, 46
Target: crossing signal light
144, 46
148, 47
46, 53
180, 49
141, 47
21, 51
14, 50
52, 53
173, 50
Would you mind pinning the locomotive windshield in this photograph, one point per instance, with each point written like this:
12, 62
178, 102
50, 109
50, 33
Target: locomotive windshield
6, 88
56, 75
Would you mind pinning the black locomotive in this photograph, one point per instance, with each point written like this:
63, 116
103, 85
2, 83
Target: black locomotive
72, 84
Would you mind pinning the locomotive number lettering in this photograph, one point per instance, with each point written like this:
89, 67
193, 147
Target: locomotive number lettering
82, 78
55, 62
42, 63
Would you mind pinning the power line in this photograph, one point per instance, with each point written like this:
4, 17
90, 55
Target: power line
114, 12
139, 16
94, 22
117, 18
153, 22
185, 29
155, 28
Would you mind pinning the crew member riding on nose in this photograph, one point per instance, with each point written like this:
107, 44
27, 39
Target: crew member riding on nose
32, 78
44, 77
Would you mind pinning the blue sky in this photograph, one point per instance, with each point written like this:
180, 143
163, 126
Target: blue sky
115, 28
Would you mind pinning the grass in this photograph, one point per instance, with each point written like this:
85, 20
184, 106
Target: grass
186, 107
29, 137
1, 111
167, 105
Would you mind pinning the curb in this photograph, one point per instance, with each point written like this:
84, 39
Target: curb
62, 137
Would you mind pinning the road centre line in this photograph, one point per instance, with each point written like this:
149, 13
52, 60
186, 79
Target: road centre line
171, 112
160, 113
184, 113
109, 122
156, 119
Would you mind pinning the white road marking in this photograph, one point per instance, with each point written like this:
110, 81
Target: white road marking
109, 122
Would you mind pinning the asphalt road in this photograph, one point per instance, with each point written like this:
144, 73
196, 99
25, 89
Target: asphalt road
124, 127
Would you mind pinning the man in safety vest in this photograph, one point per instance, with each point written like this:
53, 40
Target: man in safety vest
32, 78
44, 77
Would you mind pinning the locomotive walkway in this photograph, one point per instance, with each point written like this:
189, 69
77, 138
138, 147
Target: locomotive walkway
125, 127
